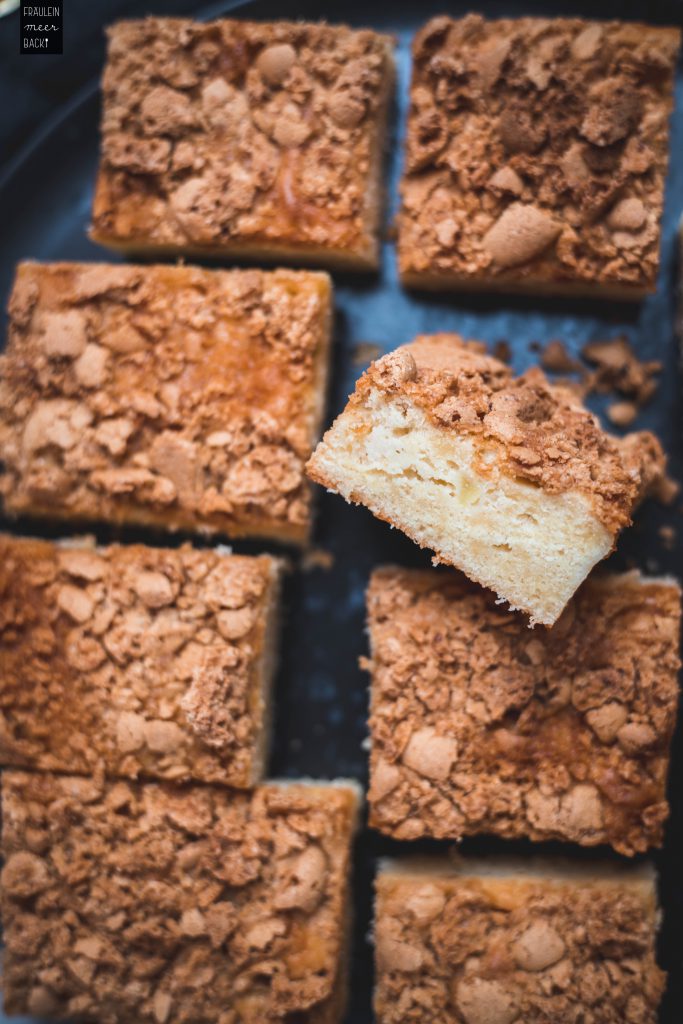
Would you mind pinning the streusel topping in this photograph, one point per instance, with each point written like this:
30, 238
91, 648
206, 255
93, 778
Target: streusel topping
166, 395
538, 432
133, 660
126, 902
537, 149
478, 725
507, 951
237, 131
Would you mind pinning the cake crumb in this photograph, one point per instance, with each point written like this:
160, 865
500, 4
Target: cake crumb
365, 352
622, 414
668, 536
317, 558
666, 489
556, 359
501, 350
619, 369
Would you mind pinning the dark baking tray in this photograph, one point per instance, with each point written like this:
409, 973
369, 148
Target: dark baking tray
322, 695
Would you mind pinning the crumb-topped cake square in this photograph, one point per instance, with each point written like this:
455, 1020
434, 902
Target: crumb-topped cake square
196, 905
136, 660
238, 138
536, 155
510, 479
513, 942
480, 726
170, 397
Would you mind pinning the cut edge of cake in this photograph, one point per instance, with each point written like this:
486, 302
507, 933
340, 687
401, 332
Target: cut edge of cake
499, 544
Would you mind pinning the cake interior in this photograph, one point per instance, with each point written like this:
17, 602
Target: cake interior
531, 547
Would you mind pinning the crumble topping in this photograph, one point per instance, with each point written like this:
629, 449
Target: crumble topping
133, 660
537, 150
170, 396
501, 951
478, 725
241, 132
175, 905
538, 431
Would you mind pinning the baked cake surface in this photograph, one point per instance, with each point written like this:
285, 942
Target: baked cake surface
243, 138
128, 902
480, 726
536, 155
510, 479
516, 943
136, 660
167, 396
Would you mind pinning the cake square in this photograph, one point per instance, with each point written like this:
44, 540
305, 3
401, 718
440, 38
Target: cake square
536, 156
153, 903
136, 660
509, 479
506, 942
170, 397
480, 726
244, 139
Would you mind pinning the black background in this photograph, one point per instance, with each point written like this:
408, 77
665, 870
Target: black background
49, 111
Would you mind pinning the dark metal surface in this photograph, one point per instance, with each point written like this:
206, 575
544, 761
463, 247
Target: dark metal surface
45, 195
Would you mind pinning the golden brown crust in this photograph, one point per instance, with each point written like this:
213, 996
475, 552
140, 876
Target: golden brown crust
174, 905
482, 950
536, 154
134, 660
539, 432
237, 133
166, 396
479, 726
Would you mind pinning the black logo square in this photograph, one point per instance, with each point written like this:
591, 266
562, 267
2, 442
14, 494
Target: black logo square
41, 27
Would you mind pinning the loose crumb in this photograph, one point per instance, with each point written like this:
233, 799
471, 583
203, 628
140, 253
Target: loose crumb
317, 558
622, 414
365, 352
556, 359
668, 536
502, 351
619, 369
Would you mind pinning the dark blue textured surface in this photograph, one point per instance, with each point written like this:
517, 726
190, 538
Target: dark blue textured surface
321, 693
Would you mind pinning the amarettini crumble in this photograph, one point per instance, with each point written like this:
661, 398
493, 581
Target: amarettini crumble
237, 138
175, 905
512, 942
136, 660
510, 479
164, 396
479, 726
536, 155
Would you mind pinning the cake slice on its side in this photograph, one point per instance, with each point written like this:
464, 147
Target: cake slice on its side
137, 660
515, 942
480, 727
175, 905
510, 480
